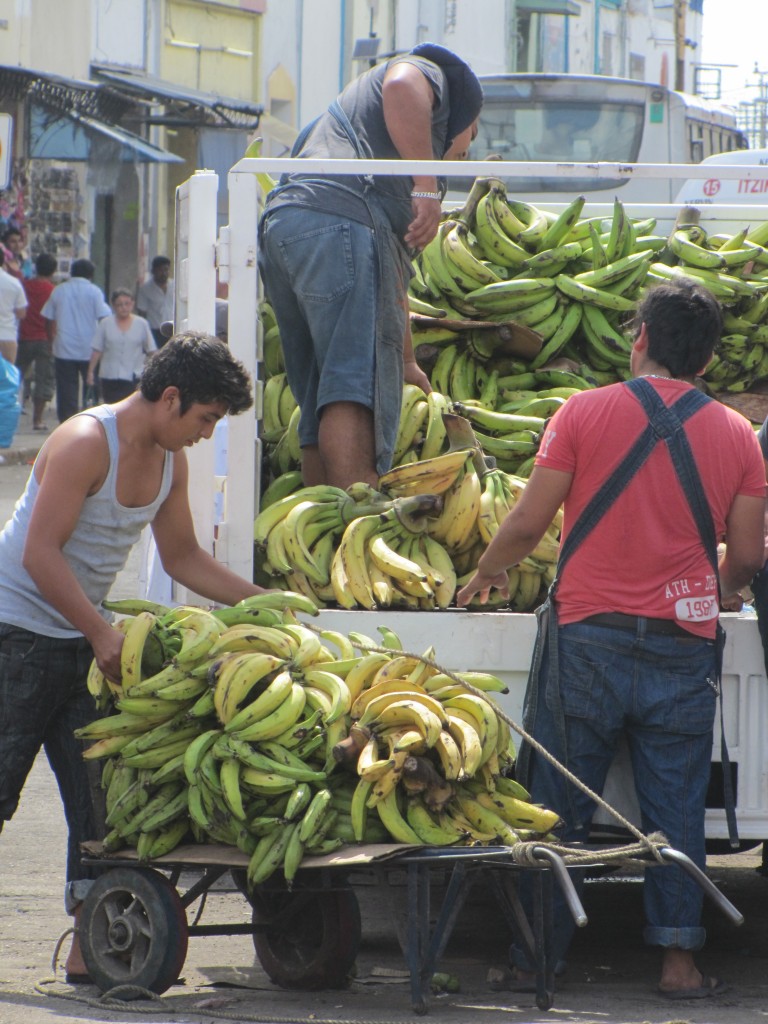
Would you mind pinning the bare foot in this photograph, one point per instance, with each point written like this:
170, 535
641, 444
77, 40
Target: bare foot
679, 972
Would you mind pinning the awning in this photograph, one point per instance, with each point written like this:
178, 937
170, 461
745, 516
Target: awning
548, 7
69, 137
55, 92
183, 104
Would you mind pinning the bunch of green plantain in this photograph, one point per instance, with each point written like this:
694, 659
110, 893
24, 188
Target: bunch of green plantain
575, 281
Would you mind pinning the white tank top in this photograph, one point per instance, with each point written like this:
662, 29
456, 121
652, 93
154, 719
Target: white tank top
96, 551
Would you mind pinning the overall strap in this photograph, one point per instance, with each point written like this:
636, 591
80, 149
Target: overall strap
664, 424
684, 462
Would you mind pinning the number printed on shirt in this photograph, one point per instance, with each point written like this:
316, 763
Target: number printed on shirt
696, 609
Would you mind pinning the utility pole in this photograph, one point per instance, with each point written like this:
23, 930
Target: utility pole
680, 9
762, 108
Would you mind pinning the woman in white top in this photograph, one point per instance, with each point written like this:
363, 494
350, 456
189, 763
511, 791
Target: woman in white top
120, 346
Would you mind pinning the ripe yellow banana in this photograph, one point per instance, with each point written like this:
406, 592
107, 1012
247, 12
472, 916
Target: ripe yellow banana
136, 633
334, 687
237, 676
278, 721
468, 741
409, 712
268, 700
428, 476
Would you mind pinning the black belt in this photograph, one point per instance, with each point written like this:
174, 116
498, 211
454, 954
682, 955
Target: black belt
617, 620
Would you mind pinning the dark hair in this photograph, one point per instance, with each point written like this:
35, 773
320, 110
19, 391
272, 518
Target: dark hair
11, 231
45, 264
160, 261
118, 292
202, 368
2, 257
82, 268
684, 322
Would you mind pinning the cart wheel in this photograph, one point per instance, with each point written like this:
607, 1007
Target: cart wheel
306, 939
133, 931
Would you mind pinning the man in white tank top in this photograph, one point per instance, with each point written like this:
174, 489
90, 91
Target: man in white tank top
100, 477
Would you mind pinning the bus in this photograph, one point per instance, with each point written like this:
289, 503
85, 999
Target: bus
595, 118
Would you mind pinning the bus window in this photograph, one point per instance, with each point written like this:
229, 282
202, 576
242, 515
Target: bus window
592, 118
565, 131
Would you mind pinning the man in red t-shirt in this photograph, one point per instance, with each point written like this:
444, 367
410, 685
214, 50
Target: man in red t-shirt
34, 347
637, 610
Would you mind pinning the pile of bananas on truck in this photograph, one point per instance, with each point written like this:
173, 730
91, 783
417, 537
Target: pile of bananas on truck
245, 726
513, 310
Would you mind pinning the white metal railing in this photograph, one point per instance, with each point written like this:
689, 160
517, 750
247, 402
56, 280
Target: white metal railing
495, 168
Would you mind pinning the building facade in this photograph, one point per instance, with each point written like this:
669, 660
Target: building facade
113, 103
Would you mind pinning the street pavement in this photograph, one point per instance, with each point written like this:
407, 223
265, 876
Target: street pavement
611, 976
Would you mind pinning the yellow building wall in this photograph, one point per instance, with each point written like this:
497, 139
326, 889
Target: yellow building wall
213, 47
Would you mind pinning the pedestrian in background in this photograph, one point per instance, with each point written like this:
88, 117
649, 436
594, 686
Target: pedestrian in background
335, 256
35, 356
13, 306
155, 298
16, 263
72, 312
120, 347
652, 475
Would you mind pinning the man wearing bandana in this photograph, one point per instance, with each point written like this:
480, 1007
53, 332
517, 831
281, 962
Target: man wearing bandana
335, 256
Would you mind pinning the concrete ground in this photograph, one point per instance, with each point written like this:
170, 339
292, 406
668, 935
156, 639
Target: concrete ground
611, 975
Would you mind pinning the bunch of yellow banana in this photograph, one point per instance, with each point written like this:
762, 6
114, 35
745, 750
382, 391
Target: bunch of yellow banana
382, 563
432, 475
431, 750
297, 536
421, 437
271, 346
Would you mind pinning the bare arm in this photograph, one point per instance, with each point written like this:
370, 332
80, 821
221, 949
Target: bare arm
408, 100
71, 466
520, 532
21, 312
50, 329
181, 555
744, 544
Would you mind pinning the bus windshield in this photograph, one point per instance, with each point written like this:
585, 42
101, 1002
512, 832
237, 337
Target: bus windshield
518, 127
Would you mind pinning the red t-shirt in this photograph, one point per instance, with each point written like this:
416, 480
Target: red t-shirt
32, 327
645, 557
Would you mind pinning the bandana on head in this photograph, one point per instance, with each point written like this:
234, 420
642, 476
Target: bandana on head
465, 94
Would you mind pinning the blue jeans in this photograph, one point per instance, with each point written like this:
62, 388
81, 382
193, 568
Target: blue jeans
320, 272
660, 692
70, 386
43, 699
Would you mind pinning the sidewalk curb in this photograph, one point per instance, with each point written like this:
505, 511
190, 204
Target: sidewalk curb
17, 456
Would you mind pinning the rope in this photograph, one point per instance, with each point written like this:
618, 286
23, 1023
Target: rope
132, 994
647, 845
